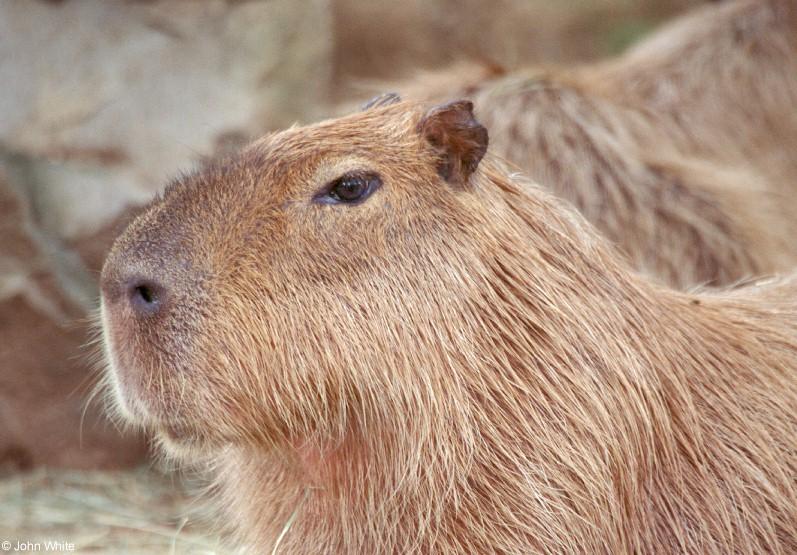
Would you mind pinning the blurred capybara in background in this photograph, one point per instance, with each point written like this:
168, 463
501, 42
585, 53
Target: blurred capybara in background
681, 151
376, 342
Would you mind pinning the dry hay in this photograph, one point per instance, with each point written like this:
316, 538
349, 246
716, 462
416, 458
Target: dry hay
131, 512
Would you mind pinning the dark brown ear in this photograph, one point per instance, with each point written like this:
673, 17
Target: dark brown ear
460, 140
384, 99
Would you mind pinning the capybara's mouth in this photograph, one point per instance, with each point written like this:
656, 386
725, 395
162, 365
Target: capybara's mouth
146, 412
132, 406
143, 405
135, 399
138, 397
128, 401
178, 433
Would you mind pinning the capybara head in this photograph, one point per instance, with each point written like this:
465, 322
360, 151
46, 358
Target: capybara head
270, 297
385, 343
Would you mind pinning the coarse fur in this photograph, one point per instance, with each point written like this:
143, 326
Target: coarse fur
681, 151
450, 366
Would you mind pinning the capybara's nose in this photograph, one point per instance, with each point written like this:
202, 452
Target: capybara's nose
146, 296
142, 295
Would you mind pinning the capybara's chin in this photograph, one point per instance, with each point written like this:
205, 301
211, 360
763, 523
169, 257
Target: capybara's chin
147, 408
184, 442
149, 404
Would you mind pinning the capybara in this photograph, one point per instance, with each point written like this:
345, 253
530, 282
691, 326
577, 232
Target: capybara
377, 342
681, 151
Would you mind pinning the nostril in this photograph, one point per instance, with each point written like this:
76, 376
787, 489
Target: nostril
145, 296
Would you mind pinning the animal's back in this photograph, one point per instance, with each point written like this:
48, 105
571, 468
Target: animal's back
678, 151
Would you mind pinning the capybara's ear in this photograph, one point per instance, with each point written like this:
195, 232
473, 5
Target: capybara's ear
460, 139
384, 99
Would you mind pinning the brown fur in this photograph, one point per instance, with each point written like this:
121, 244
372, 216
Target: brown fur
446, 367
680, 151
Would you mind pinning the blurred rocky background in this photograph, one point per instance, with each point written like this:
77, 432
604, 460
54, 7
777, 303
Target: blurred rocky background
103, 100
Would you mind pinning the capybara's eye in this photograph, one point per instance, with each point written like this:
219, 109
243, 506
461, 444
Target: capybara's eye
350, 188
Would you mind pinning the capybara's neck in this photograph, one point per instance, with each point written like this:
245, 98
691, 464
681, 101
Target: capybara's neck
556, 403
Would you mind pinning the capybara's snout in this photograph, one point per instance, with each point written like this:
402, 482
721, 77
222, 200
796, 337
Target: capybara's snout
150, 287
143, 280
